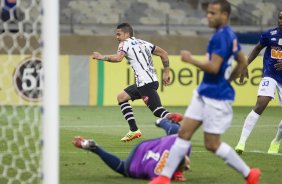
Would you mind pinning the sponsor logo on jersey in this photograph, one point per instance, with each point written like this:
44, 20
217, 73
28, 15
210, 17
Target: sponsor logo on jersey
161, 164
273, 39
280, 41
28, 79
134, 43
273, 32
276, 54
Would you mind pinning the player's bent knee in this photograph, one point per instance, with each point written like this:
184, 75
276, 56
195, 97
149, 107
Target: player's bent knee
123, 97
262, 103
184, 134
211, 147
119, 98
259, 109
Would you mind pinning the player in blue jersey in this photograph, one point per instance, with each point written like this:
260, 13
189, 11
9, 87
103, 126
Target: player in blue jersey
271, 81
211, 103
147, 159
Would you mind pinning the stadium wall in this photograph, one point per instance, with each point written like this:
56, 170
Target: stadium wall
84, 81
85, 45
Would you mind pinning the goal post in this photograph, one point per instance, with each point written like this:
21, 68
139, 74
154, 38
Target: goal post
29, 104
50, 30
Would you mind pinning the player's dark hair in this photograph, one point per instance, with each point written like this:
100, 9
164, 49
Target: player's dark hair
126, 27
224, 5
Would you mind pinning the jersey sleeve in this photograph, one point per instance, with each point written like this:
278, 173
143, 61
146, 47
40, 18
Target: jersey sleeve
264, 39
150, 46
236, 47
123, 47
221, 46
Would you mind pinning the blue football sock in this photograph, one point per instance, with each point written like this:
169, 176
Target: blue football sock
169, 126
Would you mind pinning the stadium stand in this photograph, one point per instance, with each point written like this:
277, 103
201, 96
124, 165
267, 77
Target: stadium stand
157, 16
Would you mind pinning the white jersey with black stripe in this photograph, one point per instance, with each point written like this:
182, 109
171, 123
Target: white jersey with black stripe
139, 55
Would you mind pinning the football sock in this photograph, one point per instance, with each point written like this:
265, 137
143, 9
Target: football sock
127, 112
230, 157
278, 136
111, 160
176, 154
169, 127
160, 112
249, 124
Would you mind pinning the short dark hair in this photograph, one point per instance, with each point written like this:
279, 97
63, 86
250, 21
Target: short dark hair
126, 27
224, 5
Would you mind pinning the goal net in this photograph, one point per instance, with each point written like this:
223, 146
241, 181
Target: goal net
22, 94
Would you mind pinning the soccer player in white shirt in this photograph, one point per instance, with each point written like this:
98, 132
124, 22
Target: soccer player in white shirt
139, 55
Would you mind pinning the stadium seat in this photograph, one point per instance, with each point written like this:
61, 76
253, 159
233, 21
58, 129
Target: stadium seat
154, 12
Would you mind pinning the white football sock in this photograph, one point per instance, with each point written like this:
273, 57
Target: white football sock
249, 124
176, 154
278, 136
233, 159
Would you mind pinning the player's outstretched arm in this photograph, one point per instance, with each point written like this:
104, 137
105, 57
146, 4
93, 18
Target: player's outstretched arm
255, 52
212, 67
164, 57
118, 57
252, 56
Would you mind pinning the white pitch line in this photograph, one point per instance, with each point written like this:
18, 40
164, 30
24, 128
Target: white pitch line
146, 126
253, 151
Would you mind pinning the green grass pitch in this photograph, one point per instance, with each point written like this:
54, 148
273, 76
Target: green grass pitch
107, 126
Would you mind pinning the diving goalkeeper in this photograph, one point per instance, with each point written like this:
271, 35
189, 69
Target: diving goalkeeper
146, 159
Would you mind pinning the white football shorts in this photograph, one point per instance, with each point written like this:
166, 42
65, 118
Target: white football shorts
268, 86
216, 115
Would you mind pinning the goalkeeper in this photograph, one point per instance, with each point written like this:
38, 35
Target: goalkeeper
146, 160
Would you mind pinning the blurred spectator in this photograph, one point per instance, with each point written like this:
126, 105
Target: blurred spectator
10, 6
